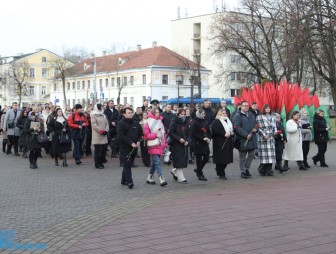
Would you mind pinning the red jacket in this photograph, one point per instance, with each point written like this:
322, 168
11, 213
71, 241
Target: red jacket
75, 117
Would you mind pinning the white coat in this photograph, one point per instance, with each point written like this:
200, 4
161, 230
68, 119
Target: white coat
293, 147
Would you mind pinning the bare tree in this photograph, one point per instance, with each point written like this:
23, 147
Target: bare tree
19, 72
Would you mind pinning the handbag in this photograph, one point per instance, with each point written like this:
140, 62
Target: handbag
154, 142
10, 125
64, 139
42, 138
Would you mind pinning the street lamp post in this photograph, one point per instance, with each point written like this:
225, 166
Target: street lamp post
193, 76
178, 81
94, 79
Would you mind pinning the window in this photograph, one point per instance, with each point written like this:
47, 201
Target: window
73, 102
235, 59
55, 87
44, 72
44, 59
144, 79
112, 81
100, 82
180, 79
88, 84
32, 73
83, 84
55, 72
118, 81
132, 81
78, 85
164, 97
68, 101
68, 87
125, 100
125, 81
132, 101
234, 92
164, 79
234, 76
44, 90
106, 82
31, 90
73, 85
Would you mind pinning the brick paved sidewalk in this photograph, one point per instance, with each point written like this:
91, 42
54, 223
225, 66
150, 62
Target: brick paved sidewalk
293, 216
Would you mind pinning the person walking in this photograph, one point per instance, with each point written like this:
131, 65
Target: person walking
58, 127
321, 137
179, 133
22, 139
112, 117
201, 140
155, 135
77, 123
266, 143
129, 136
306, 135
100, 128
32, 131
293, 148
244, 125
143, 144
13, 131
222, 134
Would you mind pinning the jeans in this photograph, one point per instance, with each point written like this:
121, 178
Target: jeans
155, 165
245, 163
78, 143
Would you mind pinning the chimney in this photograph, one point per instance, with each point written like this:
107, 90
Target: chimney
104, 53
139, 47
154, 44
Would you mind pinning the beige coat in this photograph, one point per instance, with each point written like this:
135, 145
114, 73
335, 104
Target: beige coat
99, 122
4, 133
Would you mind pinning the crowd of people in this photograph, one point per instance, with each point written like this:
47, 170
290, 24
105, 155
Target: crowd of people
178, 135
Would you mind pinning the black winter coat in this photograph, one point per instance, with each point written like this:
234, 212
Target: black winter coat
179, 129
112, 117
199, 131
209, 116
243, 126
222, 154
31, 138
279, 139
167, 119
57, 129
129, 131
320, 129
23, 135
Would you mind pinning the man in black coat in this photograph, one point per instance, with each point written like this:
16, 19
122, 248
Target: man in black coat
168, 116
223, 106
321, 137
129, 135
209, 115
112, 115
254, 110
145, 105
244, 125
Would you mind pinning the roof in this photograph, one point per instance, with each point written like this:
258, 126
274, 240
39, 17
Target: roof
157, 56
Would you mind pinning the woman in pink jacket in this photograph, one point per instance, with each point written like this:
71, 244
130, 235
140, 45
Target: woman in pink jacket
156, 142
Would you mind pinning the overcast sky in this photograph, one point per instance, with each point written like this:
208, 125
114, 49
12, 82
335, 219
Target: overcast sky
95, 25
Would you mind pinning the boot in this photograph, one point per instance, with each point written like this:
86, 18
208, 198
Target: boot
315, 160
150, 179
281, 169
285, 166
35, 164
302, 167
24, 154
305, 163
162, 181
56, 161
269, 170
4, 147
180, 176
174, 173
65, 164
200, 175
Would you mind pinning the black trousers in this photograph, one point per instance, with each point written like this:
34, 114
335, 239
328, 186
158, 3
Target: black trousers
278, 153
13, 141
127, 169
220, 169
99, 154
88, 143
305, 150
321, 149
144, 154
201, 160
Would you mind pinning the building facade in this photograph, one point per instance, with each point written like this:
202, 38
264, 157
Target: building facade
153, 73
36, 72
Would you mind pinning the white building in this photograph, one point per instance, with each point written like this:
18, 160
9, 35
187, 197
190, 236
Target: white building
141, 74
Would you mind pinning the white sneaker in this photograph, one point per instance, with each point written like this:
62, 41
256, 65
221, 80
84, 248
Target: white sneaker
180, 176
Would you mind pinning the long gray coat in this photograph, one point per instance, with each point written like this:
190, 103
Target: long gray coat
10, 118
99, 122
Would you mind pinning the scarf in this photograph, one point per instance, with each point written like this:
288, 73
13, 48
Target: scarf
156, 126
227, 125
60, 119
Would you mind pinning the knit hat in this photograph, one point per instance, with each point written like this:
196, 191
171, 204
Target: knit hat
78, 106
199, 112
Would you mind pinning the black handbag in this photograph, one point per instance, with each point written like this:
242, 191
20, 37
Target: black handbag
10, 125
42, 138
64, 139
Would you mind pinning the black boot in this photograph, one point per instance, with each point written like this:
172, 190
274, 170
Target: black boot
31, 161
4, 147
315, 160
302, 167
305, 163
56, 161
24, 154
285, 166
65, 164
200, 175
